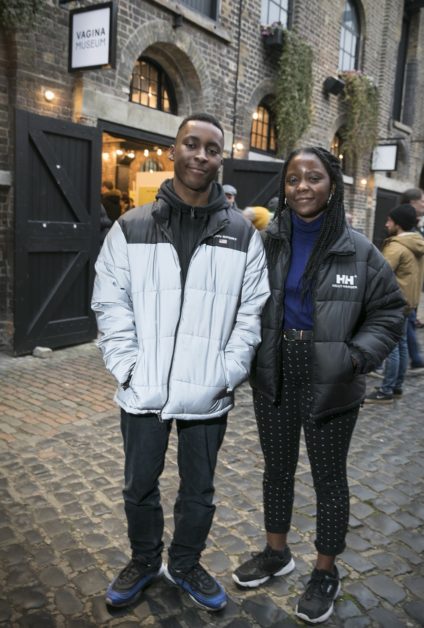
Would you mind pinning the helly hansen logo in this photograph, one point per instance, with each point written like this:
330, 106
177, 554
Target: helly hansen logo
346, 281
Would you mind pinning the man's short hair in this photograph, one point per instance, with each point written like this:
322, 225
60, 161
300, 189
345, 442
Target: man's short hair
108, 185
412, 194
202, 117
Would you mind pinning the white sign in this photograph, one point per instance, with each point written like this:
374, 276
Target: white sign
384, 157
90, 37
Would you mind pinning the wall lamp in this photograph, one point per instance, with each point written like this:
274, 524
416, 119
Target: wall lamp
49, 95
333, 85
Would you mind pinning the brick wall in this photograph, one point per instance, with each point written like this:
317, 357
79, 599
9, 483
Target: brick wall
206, 65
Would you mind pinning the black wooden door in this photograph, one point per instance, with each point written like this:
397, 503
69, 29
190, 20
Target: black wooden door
386, 201
57, 203
256, 182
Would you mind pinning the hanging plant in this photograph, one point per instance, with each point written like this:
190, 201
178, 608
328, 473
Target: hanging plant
292, 105
360, 132
18, 14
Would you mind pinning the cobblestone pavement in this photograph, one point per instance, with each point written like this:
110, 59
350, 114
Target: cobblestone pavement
62, 529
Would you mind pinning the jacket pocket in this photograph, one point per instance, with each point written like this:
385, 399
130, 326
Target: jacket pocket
138, 371
224, 373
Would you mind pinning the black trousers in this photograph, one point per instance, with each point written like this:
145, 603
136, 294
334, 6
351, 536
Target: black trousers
327, 447
145, 444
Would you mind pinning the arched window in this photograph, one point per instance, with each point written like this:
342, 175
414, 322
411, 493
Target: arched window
263, 136
337, 148
275, 11
349, 38
151, 87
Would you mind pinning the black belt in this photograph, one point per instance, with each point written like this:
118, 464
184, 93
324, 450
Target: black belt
297, 334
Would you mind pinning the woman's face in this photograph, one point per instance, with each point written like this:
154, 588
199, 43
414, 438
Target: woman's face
307, 186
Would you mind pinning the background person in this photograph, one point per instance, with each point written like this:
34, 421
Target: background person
334, 313
272, 204
258, 216
178, 332
415, 197
231, 194
111, 200
105, 224
404, 251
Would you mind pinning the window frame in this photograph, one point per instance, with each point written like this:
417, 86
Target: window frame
268, 3
270, 128
343, 52
164, 83
212, 13
346, 166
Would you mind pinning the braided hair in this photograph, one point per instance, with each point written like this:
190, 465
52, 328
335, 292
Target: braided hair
334, 216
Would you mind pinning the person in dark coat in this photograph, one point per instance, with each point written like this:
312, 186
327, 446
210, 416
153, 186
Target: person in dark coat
111, 200
105, 224
334, 314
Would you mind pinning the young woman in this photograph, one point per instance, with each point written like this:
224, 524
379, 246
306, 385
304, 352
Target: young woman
334, 314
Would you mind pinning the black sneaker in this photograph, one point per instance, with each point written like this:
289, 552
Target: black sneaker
317, 603
204, 590
130, 582
378, 396
262, 566
397, 392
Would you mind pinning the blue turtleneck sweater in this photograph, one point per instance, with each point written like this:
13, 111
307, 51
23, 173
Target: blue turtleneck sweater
298, 312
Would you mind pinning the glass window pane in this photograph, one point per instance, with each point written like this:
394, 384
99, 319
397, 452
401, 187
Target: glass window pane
273, 13
262, 135
349, 38
206, 7
148, 87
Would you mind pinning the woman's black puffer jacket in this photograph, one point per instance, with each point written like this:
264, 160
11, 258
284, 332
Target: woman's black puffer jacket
358, 313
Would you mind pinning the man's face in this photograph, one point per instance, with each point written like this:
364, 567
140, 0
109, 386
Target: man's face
230, 197
197, 155
419, 206
391, 227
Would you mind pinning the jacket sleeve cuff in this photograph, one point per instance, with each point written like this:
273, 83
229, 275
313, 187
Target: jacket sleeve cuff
358, 360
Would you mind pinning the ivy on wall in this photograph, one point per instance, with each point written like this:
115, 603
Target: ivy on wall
18, 14
360, 97
292, 105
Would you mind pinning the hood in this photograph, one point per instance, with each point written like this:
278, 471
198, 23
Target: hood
412, 240
216, 202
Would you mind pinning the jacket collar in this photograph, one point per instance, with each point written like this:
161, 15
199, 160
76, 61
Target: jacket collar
344, 244
216, 220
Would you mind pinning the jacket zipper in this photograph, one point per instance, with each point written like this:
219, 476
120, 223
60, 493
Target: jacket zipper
183, 283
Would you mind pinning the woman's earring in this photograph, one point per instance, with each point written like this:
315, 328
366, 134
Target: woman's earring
329, 198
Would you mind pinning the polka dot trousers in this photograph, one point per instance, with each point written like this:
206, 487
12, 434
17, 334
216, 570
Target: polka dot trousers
327, 446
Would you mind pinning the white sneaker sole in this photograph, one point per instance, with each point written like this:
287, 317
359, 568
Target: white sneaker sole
256, 583
319, 620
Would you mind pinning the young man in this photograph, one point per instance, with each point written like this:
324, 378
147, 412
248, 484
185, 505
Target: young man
415, 197
404, 250
179, 289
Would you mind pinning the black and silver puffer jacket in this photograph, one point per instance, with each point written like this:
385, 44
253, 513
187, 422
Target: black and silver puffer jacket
358, 312
184, 344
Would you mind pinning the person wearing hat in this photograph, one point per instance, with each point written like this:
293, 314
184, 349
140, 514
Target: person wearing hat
404, 251
231, 193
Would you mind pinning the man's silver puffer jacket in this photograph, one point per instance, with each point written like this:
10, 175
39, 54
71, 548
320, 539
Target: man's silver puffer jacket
186, 347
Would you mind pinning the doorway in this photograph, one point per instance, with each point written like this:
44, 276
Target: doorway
134, 163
